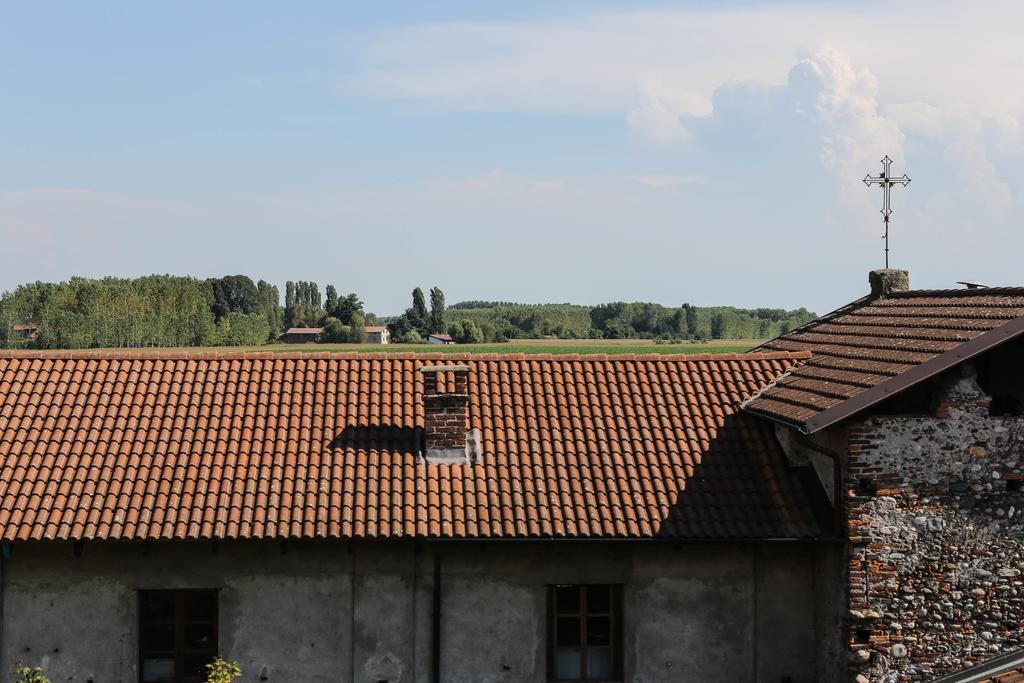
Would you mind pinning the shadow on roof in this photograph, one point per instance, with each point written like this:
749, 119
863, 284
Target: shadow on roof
744, 487
378, 437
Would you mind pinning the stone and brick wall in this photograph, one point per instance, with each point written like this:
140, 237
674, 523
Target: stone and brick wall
936, 553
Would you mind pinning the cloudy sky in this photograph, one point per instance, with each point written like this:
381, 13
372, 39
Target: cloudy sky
533, 151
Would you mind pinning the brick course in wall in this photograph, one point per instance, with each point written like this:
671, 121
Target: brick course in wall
936, 553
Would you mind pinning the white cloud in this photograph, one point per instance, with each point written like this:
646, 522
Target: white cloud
977, 175
659, 68
936, 122
967, 139
663, 106
496, 182
885, 71
880, 81
662, 182
827, 89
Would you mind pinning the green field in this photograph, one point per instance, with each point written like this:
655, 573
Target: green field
553, 346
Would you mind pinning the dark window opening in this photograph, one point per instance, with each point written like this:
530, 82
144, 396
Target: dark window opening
863, 636
584, 633
177, 635
913, 401
1001, 376
867, 486
1013, 484
1002, 406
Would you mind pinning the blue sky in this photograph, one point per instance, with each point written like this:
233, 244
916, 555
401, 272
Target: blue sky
589, 151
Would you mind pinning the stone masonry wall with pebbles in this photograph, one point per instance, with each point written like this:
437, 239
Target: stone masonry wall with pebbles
936, 525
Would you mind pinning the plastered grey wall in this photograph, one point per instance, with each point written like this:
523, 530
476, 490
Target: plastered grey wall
282, 615
362, 611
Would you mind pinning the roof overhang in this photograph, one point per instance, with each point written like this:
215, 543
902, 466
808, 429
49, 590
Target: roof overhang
986, 670
904, 381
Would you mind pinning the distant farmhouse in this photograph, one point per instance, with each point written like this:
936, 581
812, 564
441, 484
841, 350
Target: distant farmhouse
842, 504
439, 338
378, 334
302, 335
28, 332
375, 334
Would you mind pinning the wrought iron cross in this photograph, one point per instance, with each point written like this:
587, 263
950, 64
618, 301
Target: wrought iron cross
886, 181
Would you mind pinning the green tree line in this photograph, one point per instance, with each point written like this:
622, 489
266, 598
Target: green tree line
500, 321
342, 317
170, 311
155, 310
417, 323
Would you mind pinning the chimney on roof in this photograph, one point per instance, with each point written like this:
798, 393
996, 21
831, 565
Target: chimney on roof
446, 415
888, 281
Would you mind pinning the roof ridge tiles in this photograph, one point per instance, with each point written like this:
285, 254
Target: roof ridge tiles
980, 291
86, 354
950, 306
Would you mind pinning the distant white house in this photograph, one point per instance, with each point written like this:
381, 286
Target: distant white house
378, 334
440, 339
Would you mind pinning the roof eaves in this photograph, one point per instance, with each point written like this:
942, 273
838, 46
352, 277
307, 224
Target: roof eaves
986, 670
775, 418
919, 373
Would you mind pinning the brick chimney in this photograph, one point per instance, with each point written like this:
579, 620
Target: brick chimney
446, 415
888, 281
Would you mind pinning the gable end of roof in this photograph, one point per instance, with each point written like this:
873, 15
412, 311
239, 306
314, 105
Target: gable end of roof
892, 386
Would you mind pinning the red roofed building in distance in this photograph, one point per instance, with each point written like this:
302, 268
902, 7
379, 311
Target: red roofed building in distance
378, 334
302, 335
439, 338
27, 332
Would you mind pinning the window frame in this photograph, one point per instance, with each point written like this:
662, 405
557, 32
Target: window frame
615, 639
180, 650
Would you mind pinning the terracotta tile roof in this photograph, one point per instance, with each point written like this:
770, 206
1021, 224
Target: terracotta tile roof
875, 347
304, 330
265, 445
373, 329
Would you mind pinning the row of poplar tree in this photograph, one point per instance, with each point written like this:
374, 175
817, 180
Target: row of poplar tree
417, 323
171, 311
342, 317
